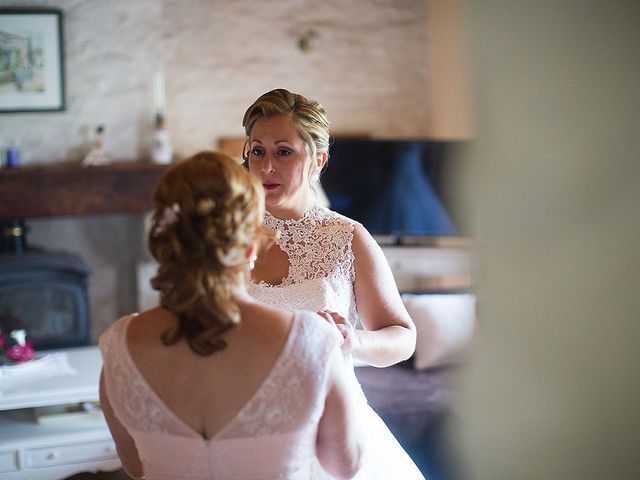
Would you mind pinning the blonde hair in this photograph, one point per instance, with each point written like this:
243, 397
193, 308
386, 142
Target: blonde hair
308, 116
208, 213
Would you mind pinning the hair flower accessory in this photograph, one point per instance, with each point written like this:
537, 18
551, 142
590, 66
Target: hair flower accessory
169, 217
205, 206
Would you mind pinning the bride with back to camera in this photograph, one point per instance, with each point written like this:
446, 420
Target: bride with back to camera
325, 262
212, 384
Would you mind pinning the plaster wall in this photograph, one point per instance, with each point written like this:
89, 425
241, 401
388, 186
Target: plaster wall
366, 63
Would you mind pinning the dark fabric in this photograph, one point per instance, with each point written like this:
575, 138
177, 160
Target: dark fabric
416, 406
408, 399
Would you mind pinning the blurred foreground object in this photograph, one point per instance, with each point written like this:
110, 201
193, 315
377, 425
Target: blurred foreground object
552, 389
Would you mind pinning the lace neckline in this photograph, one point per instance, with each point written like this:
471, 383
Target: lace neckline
272, 220
318, 245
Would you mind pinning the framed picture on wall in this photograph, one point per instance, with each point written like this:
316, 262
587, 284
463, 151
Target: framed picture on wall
31, 61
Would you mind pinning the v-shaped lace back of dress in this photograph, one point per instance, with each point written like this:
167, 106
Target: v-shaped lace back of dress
295, 376
279, 420
321, 264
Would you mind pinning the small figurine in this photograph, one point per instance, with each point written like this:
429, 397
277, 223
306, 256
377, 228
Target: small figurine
96, 155
19, 348
13, 339
161, 151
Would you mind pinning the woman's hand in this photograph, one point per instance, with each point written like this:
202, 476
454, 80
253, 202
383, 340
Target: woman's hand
348, 333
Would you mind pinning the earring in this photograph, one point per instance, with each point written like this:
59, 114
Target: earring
252, 262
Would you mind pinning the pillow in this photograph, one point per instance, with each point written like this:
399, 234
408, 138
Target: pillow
444, 327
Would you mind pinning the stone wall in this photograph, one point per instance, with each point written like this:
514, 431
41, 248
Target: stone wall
366, 63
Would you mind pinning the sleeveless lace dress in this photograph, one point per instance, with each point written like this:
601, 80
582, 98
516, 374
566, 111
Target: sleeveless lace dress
321, 275
272, 437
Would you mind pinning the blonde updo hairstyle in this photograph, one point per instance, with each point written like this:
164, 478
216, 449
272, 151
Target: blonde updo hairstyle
308, 116
208, 214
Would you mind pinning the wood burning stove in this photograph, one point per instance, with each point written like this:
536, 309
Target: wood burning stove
45, 293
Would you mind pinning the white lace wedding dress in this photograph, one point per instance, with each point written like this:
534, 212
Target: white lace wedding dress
321, 275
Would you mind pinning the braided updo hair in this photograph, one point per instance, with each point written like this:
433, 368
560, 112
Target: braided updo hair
309, 117
208, 213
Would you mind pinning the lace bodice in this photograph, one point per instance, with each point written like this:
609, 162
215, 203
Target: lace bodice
321, 276
273, 435
321, 264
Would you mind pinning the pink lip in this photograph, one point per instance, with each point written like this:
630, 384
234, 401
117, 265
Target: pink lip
270, 186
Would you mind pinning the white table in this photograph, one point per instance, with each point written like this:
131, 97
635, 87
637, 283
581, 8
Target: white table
54, 451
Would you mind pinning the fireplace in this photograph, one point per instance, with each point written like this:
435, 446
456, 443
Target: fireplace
45, 293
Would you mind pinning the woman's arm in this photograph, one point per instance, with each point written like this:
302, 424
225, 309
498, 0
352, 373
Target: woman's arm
389, 336
125, 445
339, 442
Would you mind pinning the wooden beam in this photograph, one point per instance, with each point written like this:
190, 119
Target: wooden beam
71, 189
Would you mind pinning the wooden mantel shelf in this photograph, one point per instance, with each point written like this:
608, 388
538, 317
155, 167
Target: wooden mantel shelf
71, 189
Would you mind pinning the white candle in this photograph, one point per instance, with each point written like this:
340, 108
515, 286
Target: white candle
158, 91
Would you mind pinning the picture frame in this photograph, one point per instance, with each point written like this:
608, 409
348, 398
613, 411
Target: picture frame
31, 61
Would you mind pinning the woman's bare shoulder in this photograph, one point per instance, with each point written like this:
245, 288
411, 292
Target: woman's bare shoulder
266, 317
152, 315
364, 246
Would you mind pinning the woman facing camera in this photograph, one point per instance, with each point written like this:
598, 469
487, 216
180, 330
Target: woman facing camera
325, 262
213, 384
